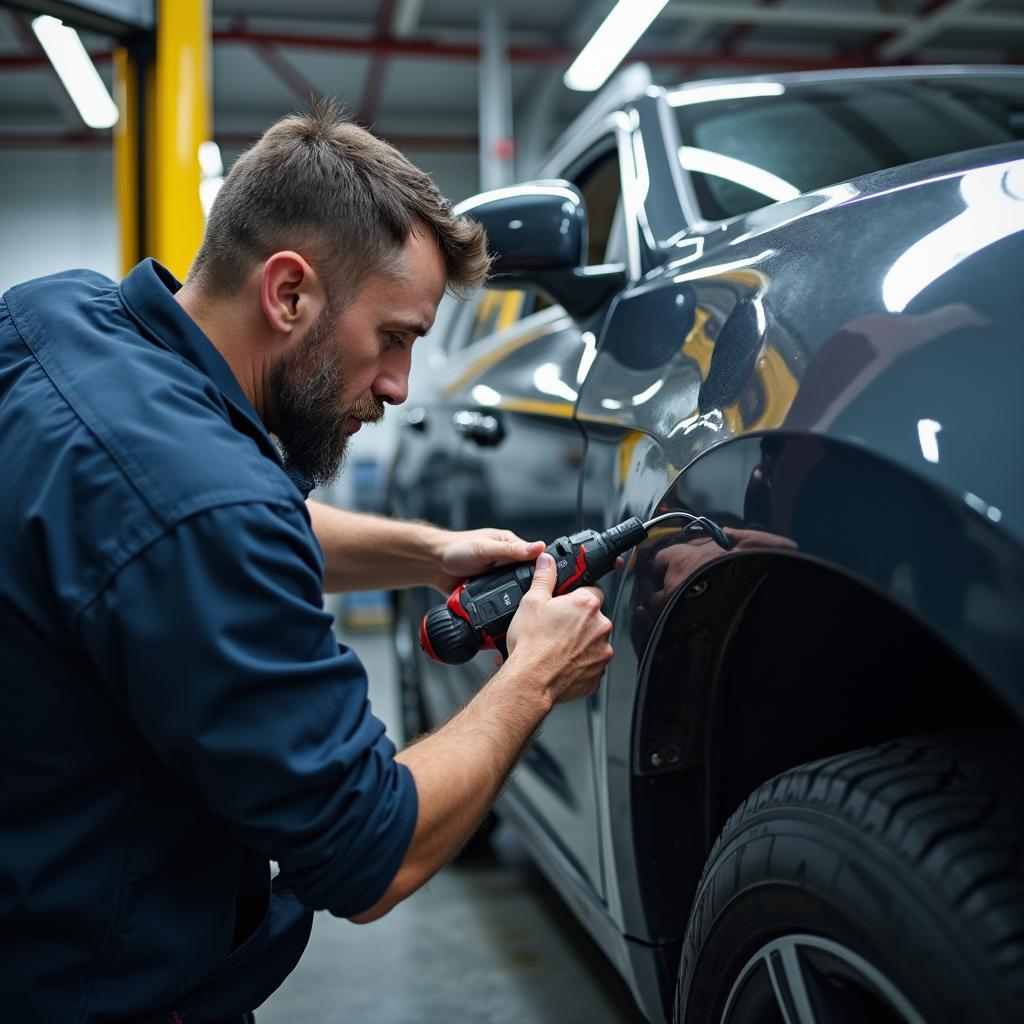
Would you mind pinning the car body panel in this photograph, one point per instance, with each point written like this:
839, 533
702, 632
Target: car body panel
503, 481
840, 371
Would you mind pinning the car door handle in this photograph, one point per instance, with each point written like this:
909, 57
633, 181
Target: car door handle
416, 419
482, 428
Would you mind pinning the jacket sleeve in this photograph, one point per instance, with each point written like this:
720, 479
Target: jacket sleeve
215, 641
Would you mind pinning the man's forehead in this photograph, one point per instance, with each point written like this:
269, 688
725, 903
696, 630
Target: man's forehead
423, 276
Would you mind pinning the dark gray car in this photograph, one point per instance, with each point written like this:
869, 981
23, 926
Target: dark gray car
792, 305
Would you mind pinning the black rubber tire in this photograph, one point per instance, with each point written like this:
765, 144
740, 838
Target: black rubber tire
909, 854
406, 640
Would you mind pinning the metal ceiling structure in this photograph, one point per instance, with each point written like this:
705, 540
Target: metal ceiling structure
411, 69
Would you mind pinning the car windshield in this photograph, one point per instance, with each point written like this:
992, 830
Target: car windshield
750, 144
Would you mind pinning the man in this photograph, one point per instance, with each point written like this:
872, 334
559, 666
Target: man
174, 712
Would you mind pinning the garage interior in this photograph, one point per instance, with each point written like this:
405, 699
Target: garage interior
475, 94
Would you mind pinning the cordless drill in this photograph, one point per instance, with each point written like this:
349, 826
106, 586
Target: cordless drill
479, 611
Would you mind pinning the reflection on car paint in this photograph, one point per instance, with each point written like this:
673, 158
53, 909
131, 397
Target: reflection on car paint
500, 351
993, 208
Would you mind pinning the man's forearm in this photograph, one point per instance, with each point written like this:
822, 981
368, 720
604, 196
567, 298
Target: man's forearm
368, 552
459, 770
558, 648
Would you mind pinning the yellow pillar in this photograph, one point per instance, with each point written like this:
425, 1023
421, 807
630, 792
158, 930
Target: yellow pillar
128, 202
181, 119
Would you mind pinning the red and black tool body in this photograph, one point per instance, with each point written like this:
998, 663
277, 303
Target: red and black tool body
478, 613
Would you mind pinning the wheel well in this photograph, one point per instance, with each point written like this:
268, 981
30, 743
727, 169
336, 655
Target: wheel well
814, 664
820, 664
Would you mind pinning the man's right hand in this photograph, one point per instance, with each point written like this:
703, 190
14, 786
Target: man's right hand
560, 641
558, 649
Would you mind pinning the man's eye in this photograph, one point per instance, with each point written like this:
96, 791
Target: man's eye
395, 340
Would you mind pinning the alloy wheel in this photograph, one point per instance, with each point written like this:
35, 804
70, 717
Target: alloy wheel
807, 979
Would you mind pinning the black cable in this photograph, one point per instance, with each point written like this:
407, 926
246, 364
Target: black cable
713, 530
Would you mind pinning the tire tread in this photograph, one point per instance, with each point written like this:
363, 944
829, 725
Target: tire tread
950, 807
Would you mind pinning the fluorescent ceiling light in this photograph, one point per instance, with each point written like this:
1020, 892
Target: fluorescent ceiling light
211, 168
757, 179
76, 71
211, 163
734, 91
617, 35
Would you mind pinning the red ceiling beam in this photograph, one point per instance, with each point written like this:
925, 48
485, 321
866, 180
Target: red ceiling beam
31, 61
51, 140
430, 49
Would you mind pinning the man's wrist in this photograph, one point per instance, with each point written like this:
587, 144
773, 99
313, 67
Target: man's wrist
431, 542
529, 681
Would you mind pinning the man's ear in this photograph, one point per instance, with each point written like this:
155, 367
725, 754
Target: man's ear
291, 294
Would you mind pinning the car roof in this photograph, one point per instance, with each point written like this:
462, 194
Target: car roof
852, 75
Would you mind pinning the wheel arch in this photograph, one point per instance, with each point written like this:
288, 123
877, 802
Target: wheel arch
789, 655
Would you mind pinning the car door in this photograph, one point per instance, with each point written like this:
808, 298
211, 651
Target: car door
423, 485
513, 399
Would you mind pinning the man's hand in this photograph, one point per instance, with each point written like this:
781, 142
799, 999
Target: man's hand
558, 649
368, 552
471, 552
562, 641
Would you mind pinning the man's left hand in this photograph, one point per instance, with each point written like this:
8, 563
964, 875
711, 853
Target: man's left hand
471, 552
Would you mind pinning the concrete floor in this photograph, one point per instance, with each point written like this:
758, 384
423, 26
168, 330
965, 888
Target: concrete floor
486, 941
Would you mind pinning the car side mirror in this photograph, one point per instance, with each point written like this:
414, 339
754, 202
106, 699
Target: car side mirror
537, 233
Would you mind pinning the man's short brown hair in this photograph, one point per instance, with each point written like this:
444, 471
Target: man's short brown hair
344, 199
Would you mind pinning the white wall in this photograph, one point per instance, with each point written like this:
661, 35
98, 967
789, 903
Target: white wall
56, 212
57, 208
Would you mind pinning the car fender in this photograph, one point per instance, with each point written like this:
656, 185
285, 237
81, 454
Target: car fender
813, 499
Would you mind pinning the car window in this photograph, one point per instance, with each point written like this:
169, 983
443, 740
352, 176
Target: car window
745, 153
600, 183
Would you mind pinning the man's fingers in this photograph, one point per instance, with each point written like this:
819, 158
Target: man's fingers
545, 575
499, 550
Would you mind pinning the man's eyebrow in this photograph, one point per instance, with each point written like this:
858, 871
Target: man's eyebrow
417, 327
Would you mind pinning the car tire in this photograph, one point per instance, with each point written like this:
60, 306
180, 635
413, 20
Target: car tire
406, 637
884, 885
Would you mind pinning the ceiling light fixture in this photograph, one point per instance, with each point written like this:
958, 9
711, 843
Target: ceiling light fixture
76, 71
616, 36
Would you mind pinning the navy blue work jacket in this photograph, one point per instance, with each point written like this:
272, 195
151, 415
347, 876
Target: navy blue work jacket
174, 709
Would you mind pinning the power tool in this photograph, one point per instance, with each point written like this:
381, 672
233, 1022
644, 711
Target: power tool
479, 611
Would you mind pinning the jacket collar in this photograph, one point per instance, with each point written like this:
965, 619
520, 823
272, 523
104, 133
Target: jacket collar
148, 293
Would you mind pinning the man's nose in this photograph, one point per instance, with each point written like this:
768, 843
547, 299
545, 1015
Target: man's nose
392, 388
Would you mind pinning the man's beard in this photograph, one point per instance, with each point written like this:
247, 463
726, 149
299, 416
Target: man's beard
308, 385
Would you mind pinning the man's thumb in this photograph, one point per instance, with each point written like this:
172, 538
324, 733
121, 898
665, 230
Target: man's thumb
545, 574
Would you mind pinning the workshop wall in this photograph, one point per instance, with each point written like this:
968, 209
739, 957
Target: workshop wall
57, 207
57, 212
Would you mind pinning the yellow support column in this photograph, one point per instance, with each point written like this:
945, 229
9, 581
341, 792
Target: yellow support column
181, 120
127, 199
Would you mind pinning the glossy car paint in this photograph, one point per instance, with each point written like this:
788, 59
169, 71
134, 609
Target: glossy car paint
839, 371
